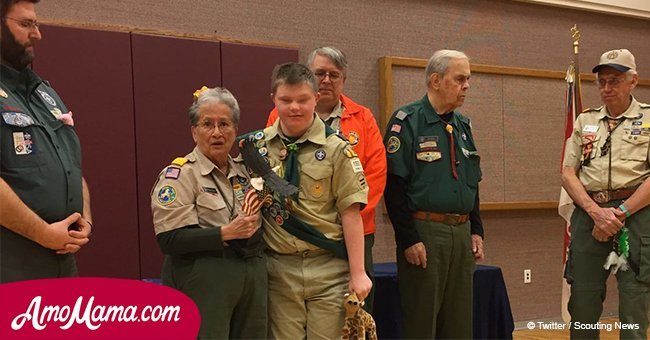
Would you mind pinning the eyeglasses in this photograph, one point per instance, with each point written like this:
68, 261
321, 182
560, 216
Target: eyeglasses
26, 23
612, 82
208, 126
334, 76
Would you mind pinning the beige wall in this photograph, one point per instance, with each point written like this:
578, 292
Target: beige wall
495, 32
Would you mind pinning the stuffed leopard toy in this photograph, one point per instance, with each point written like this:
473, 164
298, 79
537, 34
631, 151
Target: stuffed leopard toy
357, 320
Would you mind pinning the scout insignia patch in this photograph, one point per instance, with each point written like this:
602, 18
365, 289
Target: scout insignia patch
356, 165
353, 138
279, 220
166, 195
317, 189
393, 144
396, 128
259, 135
428, 156
283, 154
172, 172
320, 154
47, 98
349, 152
22, 143
3, 94
263, 151
56, 112
362, 181
17, 118
428, 143
400, 115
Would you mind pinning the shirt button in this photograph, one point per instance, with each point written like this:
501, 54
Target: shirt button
70, 200
69, 172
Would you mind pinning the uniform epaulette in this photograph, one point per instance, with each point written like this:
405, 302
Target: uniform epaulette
180, 161
591, 109
401, 115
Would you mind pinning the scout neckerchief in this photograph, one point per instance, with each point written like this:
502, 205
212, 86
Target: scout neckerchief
293, 225
446, 118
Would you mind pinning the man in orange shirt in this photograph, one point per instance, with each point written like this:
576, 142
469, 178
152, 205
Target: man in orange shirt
359, 127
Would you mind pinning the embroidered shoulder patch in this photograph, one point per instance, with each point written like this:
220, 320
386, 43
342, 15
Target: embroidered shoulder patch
172, 172
166, 195
393, 144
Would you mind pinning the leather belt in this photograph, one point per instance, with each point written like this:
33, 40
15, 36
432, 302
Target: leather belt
448, 219
604, 196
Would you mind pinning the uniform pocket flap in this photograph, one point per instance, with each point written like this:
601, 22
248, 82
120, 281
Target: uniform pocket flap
645, 240
317, 171
210, 201
637, 140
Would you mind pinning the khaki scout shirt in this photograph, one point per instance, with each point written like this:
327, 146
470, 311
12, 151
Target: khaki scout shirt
331, 179
334, 118
197, 193
629, 148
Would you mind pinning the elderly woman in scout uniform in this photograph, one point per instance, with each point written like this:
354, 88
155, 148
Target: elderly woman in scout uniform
213, 252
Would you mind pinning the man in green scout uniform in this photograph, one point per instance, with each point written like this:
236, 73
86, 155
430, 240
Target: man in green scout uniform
214, 253
605, 172
315, 238
42, 191
433, 203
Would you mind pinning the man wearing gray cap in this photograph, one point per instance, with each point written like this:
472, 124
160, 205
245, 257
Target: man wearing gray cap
604, 171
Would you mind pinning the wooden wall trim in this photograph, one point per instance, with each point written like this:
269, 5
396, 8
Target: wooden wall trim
530, 205
387, 63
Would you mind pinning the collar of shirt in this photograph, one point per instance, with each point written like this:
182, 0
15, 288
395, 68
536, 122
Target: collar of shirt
206, 166
630, 113
22, 81
315, 133
432, 117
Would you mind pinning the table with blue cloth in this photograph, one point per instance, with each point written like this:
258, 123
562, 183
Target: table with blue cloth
492, 314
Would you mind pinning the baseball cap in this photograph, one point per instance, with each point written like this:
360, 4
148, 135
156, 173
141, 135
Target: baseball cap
621, 60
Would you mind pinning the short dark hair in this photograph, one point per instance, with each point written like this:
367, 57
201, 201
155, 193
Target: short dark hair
6, 4
292, 74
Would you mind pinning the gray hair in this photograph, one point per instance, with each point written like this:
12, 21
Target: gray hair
292, 74
214, 95
439, 63
335, 55
629, 74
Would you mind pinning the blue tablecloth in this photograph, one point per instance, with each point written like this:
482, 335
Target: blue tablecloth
492, 314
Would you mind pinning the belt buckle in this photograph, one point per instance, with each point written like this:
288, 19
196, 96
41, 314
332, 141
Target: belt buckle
601, 197
451, 219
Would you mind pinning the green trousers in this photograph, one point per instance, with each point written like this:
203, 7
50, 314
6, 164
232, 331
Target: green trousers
437, 301
229, 291
588, 277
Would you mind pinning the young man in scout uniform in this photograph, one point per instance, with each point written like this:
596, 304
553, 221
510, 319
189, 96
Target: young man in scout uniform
309, 273
605, 172
42, 191
213, 252
358, 125
432, 200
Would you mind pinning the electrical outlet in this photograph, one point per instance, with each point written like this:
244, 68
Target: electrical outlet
527, 276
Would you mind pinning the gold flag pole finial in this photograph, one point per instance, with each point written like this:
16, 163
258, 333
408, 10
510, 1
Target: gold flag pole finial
575, 34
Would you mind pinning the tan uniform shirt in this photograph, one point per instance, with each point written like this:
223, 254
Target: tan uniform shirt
629, 151
197, 193
331, 179
334, 119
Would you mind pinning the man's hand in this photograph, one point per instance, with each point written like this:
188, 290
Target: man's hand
416, 255
241, 227
56, 236
79, 230
599, 235
477, 247
360, 284
606, 220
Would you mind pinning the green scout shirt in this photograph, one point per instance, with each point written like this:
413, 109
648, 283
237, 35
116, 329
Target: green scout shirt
417, 145
630, 147
331, 179
40, 159
193, 191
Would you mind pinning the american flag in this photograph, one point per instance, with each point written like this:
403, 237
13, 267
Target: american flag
566, 207
253, 201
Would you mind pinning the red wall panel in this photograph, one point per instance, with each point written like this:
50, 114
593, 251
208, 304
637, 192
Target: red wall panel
247, 74
91, 71
166, 72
